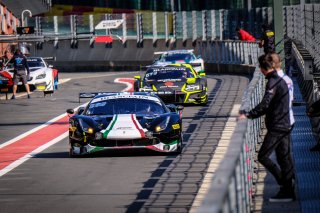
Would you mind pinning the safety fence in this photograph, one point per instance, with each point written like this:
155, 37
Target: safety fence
229, 52
302, 23
232, 185
205, 25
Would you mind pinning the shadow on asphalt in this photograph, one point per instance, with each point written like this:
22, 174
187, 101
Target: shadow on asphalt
108, 154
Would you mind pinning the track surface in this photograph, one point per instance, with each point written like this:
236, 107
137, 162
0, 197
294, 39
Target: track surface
123, 181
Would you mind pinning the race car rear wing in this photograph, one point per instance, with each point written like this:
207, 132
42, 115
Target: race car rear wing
92, 94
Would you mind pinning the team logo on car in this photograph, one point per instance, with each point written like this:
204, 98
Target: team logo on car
169, 83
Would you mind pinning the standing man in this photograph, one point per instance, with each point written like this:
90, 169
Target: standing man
21, 70
244, 35
275, 105
267, 40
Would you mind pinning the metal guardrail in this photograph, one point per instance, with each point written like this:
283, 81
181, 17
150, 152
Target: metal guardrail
302, 22
231, 187
229, 52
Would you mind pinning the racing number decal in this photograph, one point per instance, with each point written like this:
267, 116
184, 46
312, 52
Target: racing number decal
176, 126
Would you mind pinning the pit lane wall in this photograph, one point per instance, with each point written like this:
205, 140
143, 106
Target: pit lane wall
219, 56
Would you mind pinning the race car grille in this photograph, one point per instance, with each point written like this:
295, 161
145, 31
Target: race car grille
197, 96
172, 98
117, 143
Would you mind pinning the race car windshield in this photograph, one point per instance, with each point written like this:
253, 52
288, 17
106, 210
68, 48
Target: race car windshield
173, 73
125, 106
33, 62
178, 57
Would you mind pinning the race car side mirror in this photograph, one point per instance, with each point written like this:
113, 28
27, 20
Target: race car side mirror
202, 74
70, 112
137, 77
80, 110
50, 66
180, 107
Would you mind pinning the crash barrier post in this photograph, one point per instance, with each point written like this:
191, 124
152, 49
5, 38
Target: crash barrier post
231, 186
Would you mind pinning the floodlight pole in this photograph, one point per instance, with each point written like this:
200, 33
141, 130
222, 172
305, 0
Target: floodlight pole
22, 16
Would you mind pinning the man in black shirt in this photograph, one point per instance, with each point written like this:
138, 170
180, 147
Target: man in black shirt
275, 105
267, 40
21, 70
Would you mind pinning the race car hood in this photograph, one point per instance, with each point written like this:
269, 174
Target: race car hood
124, 127
167, 84
37, 69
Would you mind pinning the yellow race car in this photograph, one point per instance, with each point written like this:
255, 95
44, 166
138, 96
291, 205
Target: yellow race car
174, 83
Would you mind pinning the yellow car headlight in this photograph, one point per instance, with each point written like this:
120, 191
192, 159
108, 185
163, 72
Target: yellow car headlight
163, 125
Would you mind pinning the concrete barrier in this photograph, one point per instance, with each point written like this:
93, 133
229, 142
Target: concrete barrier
128, 56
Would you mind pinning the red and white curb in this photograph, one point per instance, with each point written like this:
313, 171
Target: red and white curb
25, 146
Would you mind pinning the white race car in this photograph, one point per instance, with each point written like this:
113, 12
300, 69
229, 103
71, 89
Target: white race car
43, 77
180, 57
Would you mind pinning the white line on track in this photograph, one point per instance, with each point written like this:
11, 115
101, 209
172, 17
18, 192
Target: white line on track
45, 146
32, 154
31, 131
217, 158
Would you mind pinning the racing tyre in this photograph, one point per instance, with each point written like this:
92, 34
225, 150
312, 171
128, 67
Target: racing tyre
71, 155
179, 150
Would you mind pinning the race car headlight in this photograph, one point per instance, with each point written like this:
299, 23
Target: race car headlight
90, 130
98, 136
41, 76
192, 87
163, 125
85, 127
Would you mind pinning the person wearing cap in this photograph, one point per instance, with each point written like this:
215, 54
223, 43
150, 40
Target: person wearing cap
275, 105
267, 41
21, 70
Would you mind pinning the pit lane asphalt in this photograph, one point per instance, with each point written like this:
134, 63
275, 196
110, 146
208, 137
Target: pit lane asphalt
113, 182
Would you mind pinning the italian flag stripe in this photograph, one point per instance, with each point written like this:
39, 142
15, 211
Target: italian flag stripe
133, 117
110, 127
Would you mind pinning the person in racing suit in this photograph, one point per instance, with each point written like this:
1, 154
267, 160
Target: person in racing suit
275, 105
21, 71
